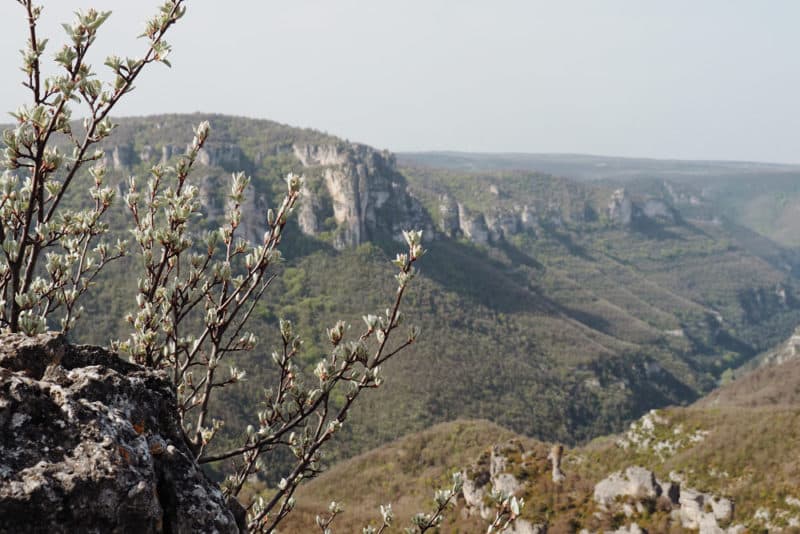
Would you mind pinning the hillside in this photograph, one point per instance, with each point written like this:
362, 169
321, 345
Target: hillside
404, 473
763, 197
725, 464
770, 379
557, 308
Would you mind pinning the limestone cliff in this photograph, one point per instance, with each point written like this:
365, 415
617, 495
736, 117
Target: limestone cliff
623, 209
369, 198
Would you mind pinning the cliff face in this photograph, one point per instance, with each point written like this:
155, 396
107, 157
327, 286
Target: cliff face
91, 443
369, 197
354, 192
623, 210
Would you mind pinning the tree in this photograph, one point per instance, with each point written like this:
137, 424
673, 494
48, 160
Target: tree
196, 291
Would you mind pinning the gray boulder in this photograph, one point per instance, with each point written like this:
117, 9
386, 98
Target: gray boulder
91, 443
636, 482
703, 511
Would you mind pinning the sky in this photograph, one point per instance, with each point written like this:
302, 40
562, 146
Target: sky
684, 79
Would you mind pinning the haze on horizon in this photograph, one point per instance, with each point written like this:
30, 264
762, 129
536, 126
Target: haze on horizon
684, 79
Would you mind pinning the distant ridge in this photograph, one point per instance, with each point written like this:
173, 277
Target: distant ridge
588, 166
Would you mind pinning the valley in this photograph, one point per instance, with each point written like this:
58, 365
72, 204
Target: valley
559, 308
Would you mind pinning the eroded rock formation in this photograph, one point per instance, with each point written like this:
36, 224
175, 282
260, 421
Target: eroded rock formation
624, 210
369, 197
489, 475
636, 492
620, 207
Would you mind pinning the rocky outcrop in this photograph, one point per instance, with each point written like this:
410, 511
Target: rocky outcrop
704, 512
226, 156
167, 151
456, 220
636, 492
369, 197
490, 474
635, 482
487, 475
120, 157
555, 456
473, 225
523, 526
527, 218
503, 224
620, 207
624, 210
679, 195
309, 214
213, 191
91, 443
653, 433
449, 217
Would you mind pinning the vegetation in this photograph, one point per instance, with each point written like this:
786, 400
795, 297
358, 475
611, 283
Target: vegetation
748, 455
196, 289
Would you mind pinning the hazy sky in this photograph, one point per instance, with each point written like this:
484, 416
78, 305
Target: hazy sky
711, 79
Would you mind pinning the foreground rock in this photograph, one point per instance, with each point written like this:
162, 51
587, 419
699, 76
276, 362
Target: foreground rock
91, 443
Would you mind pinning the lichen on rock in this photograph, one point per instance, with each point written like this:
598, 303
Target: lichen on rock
92, 443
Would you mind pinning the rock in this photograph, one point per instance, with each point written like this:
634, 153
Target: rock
501, 480
703, 511
209, 190
490, 475
633, 528
522, 526
227, 156
369, 197
620, 207
555, 461
623, 210
254, 216
472, 490
167, 152
146, 154
450, 224
503, 224
120, 157
721, 508
307, 217
528, 218
473, 225
636, 482
672, 491
91, 443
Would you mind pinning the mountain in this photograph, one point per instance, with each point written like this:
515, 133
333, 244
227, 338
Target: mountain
555, 307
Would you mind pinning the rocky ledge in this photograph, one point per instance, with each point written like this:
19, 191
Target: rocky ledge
92, 443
